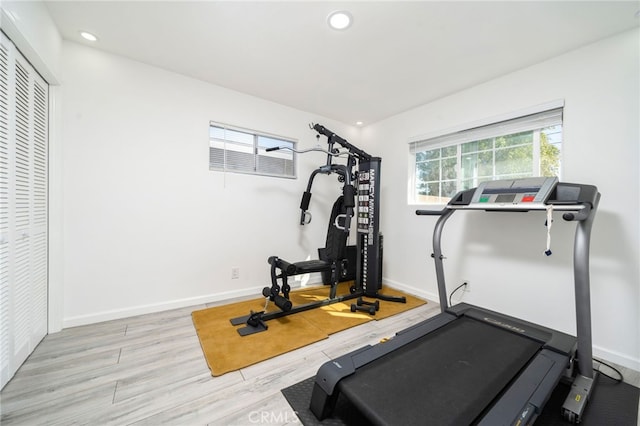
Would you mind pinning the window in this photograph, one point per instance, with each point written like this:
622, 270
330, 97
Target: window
522, 147
245, 151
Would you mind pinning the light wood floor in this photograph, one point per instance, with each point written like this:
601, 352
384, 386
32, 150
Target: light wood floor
150, 370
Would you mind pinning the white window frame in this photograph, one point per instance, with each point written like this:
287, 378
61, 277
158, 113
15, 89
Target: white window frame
241, 150
532, 119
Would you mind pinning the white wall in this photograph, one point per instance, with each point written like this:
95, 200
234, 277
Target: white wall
146, 225
501, 254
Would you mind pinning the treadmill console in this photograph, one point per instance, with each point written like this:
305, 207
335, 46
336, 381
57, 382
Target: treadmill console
513, 194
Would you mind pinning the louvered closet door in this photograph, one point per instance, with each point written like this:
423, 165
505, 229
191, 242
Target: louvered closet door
23, 209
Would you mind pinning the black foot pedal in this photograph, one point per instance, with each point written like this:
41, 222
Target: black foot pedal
255, 324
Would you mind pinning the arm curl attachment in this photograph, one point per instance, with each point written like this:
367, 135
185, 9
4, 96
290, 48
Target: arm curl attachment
345, 173
348, 192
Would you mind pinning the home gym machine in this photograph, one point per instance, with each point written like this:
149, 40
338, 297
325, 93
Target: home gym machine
469, 365
368, 277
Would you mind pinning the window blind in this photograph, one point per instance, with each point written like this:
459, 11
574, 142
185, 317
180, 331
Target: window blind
245, 151
525, 123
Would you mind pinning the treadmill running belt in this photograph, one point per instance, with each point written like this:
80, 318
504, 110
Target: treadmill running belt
447, 377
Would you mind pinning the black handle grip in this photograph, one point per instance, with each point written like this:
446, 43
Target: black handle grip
273, 148
349, 196
304, 203
579, 215
430, 212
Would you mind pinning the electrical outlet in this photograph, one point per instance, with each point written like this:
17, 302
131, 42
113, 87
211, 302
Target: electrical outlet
235, 273
467, 287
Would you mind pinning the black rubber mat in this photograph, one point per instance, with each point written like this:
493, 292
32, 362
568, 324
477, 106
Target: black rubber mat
612, 404
449, 376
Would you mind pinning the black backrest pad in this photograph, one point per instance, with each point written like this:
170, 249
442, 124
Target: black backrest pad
335, 247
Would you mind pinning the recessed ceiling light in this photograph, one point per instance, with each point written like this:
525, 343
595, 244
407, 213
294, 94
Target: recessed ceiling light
359, 123
340, 20
88, 36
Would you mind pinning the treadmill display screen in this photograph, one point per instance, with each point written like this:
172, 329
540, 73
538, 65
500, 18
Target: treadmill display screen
513, 194
505, 198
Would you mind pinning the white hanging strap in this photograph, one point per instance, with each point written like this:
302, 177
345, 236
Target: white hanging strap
549, 223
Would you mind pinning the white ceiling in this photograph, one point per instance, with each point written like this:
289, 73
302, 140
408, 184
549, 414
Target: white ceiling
397, 55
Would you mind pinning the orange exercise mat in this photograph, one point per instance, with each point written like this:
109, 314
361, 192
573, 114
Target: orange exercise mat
225, 350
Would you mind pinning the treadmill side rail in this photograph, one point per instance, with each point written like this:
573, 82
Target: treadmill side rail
527, 396
322, 403
324, 395
576, 401
331, 372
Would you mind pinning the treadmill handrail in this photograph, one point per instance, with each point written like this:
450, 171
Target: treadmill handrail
432, 212
520, 208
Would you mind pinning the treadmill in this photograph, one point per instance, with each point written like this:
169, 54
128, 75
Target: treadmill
469, 365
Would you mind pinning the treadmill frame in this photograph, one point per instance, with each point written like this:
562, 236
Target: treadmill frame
525, 397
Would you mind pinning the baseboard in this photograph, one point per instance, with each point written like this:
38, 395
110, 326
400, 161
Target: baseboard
432, 297
616, 357
199, 300
159, 307
165, 306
